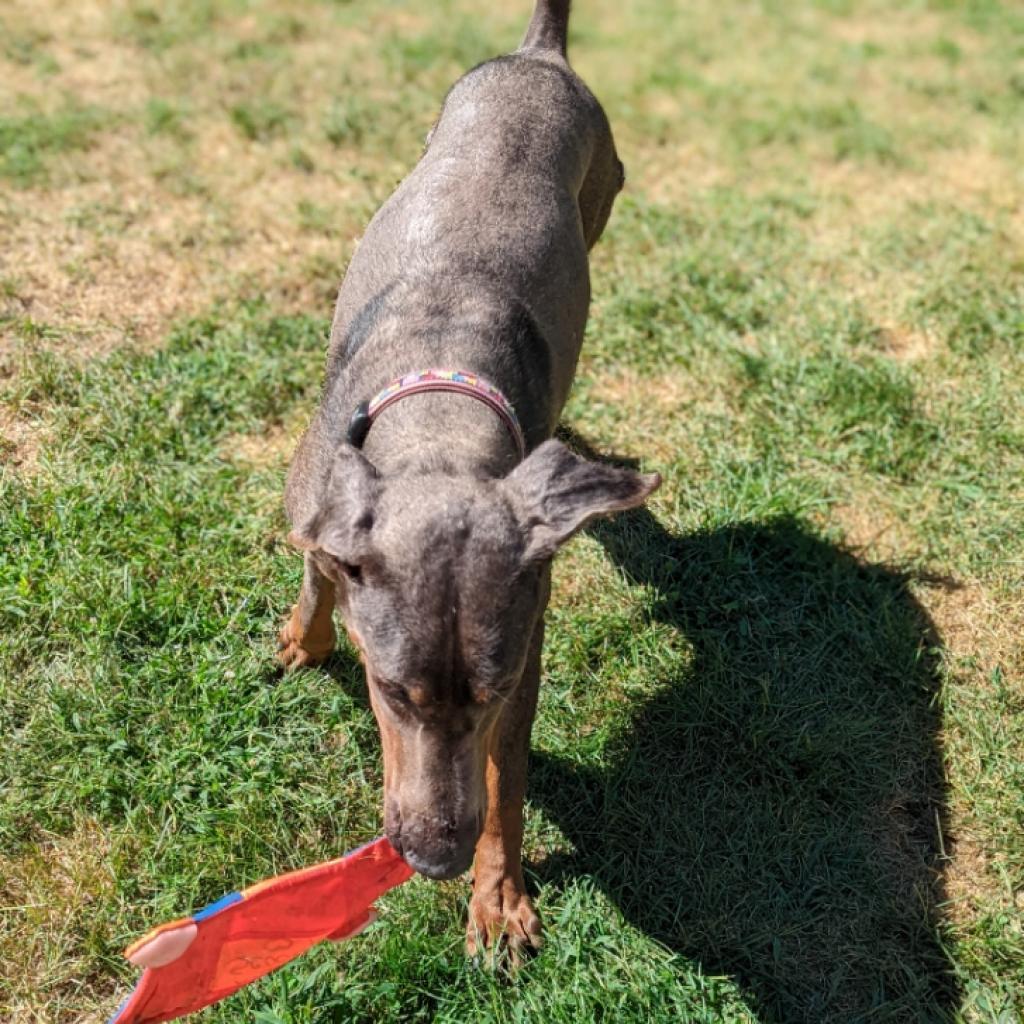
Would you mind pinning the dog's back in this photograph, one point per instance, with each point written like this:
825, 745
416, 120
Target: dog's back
516, 183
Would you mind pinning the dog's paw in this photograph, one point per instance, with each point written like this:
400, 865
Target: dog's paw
298, 647
503, 927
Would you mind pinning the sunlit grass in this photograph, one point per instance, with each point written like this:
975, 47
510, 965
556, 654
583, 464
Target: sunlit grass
777, 762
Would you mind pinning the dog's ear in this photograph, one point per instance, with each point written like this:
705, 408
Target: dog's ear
556, 493
343, 518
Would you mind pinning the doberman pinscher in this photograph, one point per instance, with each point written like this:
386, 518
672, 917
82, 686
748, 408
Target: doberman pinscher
427, 495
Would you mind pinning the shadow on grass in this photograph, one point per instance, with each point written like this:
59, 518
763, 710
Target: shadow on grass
775, 813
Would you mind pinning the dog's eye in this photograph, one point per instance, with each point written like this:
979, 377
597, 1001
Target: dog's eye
349, 570
393, 692
352, 571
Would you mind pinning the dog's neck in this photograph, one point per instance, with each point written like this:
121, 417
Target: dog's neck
445, 433
422, 328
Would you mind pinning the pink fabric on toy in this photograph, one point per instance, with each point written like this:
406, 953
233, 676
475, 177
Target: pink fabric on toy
165, 948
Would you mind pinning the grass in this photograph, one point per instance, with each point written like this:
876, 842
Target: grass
29, 140
777, 766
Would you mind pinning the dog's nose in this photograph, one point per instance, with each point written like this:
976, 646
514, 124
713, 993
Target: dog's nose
437, 869
435, 847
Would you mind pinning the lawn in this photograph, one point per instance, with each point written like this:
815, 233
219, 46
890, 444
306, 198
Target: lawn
778, 767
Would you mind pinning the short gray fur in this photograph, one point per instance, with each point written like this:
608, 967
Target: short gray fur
433, 544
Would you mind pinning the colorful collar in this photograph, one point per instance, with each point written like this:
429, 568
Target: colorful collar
461, 381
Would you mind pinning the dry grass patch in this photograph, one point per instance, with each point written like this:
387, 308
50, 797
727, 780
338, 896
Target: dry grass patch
875, 529
101, 265
169, 207
855, 197
978, 626
271, 449
20, 442
899, 25
67, 49
855, 206
675, 171
639, 415
971, 882
117, 258
51, 927
905, 344
982, 641
633, 392
979, 173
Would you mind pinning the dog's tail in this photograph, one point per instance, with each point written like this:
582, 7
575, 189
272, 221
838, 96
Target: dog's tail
549, 27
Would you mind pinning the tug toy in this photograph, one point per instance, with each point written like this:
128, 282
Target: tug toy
198, 960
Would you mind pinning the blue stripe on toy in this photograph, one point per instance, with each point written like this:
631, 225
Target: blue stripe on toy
216, 908
119, 1010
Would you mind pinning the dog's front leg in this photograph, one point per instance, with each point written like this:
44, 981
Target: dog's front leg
308, 637
500, 912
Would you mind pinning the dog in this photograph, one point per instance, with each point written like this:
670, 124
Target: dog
427, 495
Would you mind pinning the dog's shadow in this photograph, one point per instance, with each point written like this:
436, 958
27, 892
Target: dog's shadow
776, 811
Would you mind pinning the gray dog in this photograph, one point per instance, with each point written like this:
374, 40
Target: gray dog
431, 525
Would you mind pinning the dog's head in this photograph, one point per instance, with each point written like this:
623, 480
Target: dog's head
440, 579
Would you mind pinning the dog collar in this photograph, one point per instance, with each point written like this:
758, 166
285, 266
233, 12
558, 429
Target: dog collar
459, 381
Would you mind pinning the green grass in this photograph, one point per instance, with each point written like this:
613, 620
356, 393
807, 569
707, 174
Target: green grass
259, 122
31, 139
777, 766
163, 117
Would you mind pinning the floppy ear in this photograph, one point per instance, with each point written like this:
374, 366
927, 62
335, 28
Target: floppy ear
557, 493
344, 513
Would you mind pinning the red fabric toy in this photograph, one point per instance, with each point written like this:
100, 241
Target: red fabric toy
195, 961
